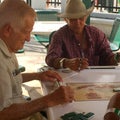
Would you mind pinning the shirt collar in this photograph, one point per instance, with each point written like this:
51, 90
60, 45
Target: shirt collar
4, 49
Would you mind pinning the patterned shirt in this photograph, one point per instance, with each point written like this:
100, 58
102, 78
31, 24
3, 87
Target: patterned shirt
64, 45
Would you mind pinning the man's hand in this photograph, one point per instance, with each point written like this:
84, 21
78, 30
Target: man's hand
49, 75
64, 94
76, 63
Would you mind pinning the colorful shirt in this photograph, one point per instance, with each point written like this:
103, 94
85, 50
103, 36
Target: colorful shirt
64, 45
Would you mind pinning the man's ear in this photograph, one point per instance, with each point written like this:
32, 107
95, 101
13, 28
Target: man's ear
7, 30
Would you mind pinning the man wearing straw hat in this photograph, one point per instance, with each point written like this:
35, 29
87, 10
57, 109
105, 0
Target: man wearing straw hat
78, 45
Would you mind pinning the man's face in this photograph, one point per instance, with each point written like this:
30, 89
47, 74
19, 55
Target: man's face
18, 36
76, 24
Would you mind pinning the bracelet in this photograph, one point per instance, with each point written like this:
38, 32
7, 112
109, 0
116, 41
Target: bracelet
114, 110
61, 62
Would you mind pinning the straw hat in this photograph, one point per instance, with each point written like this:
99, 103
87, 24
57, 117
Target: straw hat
75, 9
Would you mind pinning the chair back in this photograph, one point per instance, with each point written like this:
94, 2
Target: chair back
50, 36
115, 35
47, 15
42, 40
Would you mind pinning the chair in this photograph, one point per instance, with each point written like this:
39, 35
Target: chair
50, 37
115, 35
44, 68
45, 15
43, 40
20, 51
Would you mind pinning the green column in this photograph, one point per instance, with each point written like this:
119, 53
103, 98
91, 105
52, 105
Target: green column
119, 2
88, 5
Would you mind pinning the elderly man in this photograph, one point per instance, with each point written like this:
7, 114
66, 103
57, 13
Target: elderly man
113, 110
16, 23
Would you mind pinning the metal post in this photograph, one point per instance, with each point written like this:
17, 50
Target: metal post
110, 4
29, 2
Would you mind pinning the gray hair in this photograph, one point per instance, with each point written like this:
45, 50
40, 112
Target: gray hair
14, 11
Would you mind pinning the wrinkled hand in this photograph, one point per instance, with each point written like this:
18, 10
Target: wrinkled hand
64, 94
49, 75
76, 63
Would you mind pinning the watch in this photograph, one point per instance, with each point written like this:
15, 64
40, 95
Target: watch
61, 62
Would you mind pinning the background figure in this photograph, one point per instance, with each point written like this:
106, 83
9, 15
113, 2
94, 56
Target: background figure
113, 110
16, 23
78, 45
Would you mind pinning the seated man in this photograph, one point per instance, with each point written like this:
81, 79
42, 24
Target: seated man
113, 110
77, 45
16, 23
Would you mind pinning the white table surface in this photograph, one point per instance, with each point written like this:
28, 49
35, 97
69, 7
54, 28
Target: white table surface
46, 27
97, 107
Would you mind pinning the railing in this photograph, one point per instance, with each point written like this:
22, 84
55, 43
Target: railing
56, 3
112, 6
108, 5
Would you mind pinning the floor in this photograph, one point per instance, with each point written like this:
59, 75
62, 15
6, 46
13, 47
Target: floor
33, 57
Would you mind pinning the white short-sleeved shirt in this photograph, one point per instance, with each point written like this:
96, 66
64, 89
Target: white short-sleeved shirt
10, 84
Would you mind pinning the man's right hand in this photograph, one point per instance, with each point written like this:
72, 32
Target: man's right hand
76, 63
64, 94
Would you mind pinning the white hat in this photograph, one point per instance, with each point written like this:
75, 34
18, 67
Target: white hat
75, 9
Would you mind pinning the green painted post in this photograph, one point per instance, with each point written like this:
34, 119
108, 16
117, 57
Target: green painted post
87, 4
119, 2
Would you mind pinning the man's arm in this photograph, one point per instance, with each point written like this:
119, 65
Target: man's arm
49, 75
22, 110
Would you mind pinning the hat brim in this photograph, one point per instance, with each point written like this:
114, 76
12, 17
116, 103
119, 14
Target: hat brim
77, 15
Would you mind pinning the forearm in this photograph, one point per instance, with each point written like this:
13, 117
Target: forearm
30, 76
109, 60
56, 63
24, 110
61, 63
113, 60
